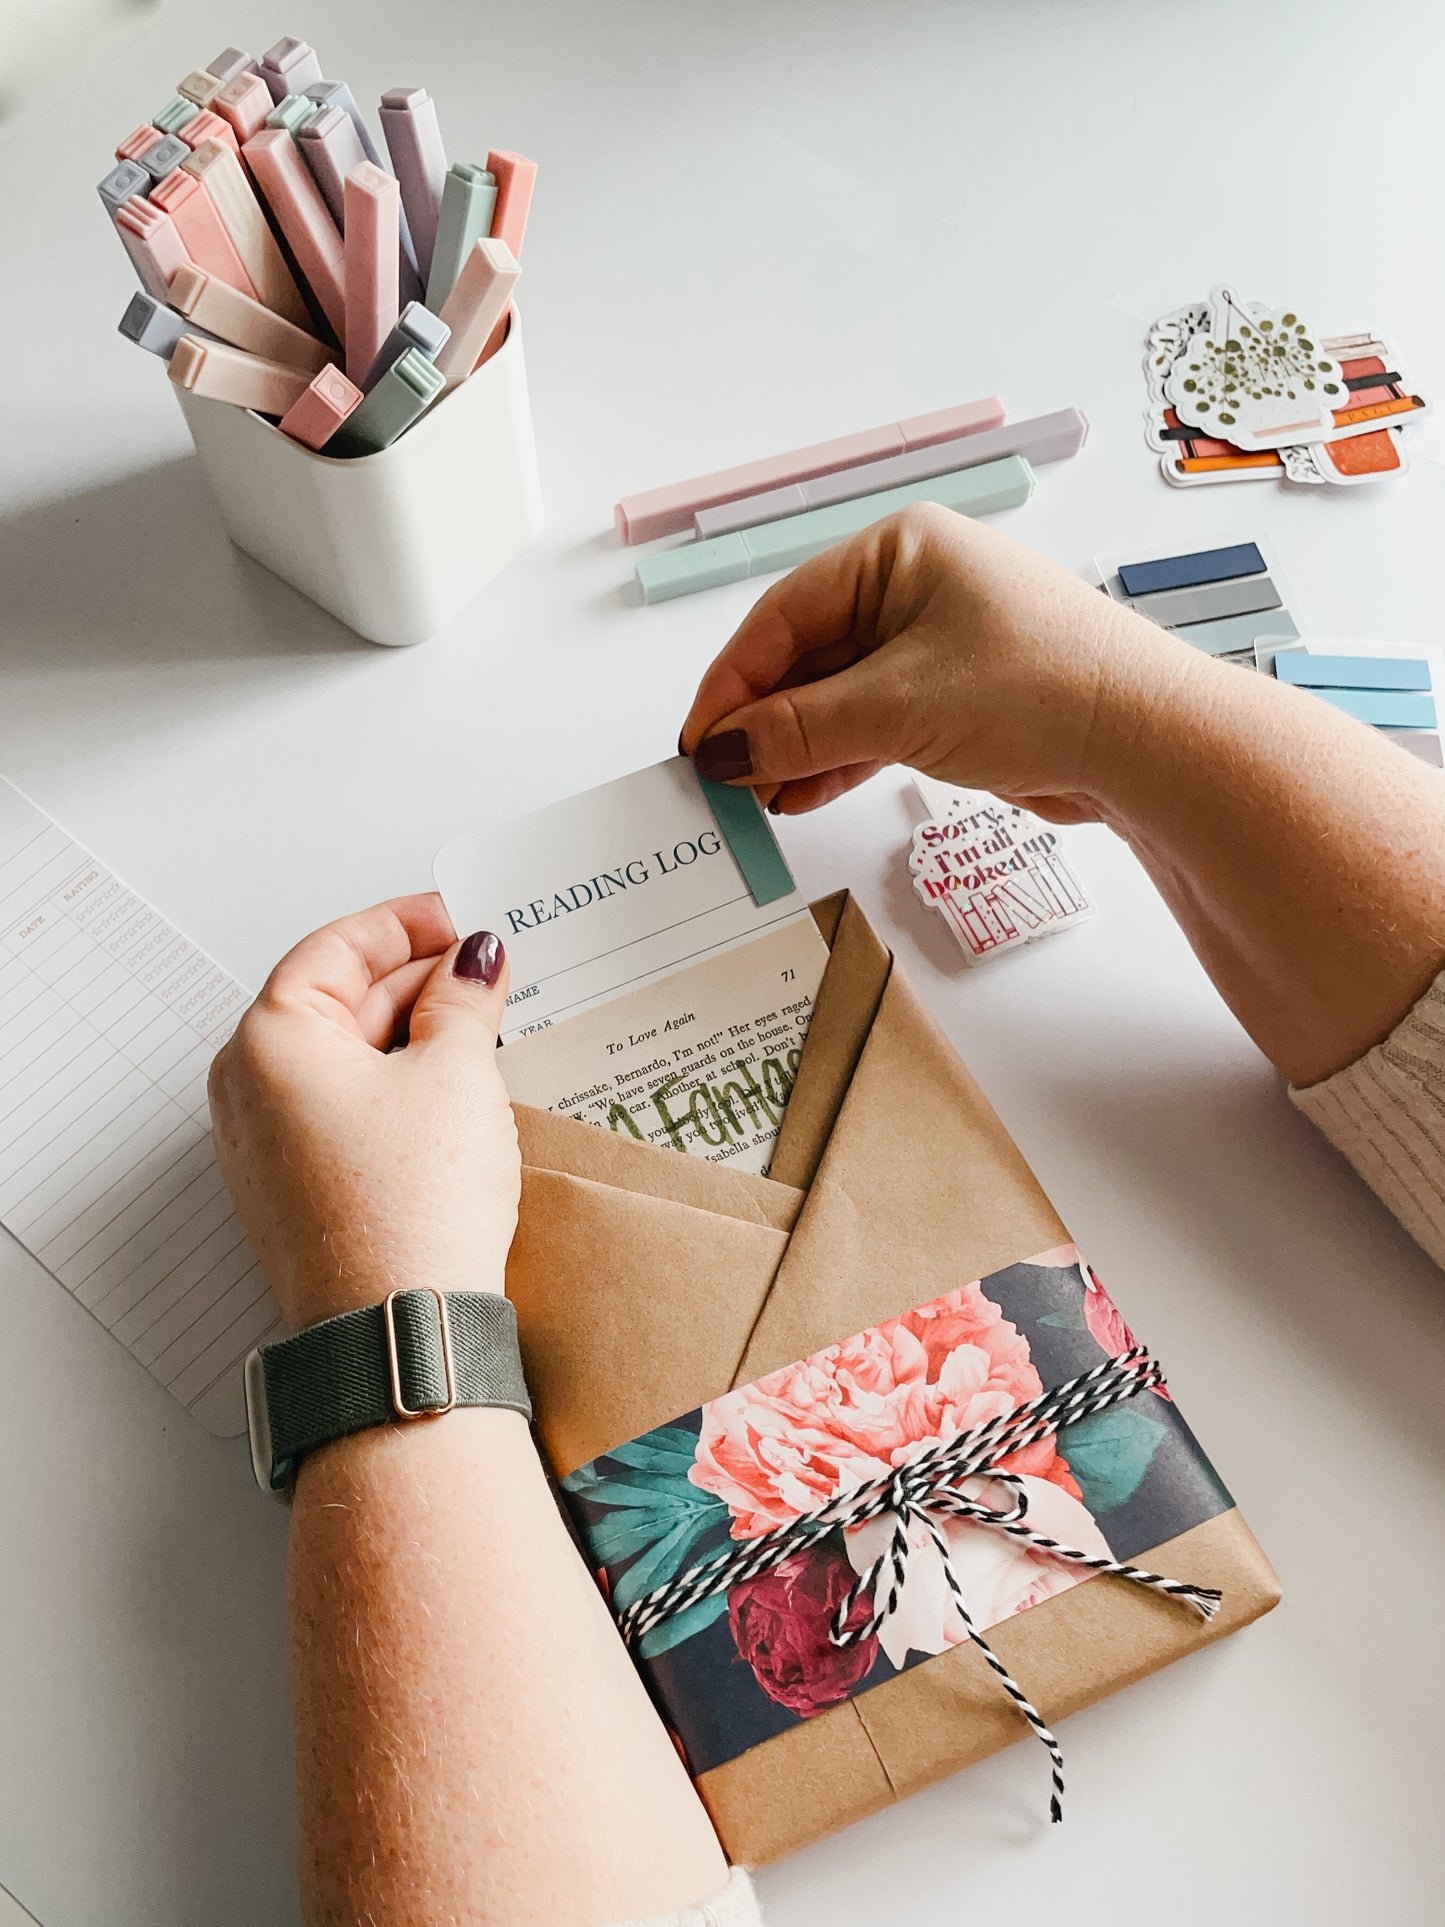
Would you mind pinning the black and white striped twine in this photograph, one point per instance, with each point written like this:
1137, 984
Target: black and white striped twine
927, 1488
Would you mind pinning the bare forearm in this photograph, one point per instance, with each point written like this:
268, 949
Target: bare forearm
472, 1741
1303, 855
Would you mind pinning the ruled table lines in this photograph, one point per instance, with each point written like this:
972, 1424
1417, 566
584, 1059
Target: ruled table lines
109, 1019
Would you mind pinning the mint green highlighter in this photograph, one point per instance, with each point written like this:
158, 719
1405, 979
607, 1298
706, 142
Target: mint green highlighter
405, 391
984, 490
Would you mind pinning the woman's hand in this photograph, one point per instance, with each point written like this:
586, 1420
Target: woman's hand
1303, 854
355, 1167
930, 640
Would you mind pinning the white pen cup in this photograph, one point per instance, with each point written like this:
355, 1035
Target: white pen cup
392, 544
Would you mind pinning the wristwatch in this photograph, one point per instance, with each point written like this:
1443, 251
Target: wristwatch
415, 1356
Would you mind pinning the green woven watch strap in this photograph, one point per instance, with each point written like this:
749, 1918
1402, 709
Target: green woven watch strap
336, 1378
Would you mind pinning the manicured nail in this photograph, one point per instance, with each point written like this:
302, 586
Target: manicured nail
680, 750
480, 959
775, 809
722, 758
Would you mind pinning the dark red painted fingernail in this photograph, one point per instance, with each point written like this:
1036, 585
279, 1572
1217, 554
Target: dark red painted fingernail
480, 959
723, 758
680, 750
775, 809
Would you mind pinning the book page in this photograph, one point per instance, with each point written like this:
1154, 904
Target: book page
704, 1061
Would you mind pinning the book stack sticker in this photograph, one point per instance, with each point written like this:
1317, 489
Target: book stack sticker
1241, 392
994, 872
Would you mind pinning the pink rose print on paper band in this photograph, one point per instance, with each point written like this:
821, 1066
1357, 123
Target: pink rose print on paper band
1106, 1326
789, 1442
999, 1577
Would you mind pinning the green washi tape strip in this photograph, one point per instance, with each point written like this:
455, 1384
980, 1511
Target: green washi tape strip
749, 836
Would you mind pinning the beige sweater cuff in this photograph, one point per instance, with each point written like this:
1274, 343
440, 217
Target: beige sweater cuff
735, 1906
1386, 1113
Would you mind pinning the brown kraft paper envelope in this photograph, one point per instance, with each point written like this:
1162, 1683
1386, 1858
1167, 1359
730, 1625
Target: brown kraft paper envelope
647, 1283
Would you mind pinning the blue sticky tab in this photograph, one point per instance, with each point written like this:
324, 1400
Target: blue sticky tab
1188, 571
1385, 709
1309, 671
749, 836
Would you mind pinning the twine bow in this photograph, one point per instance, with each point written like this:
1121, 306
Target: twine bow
928, 1488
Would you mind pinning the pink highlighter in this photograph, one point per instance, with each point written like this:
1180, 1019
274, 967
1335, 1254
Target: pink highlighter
476, 308
138, 143
209, 127
244, 102
515, 176
149, 237
667, 511
294, 198
372, 262
202, 231
317, 414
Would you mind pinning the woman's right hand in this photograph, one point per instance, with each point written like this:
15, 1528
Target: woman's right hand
934, 641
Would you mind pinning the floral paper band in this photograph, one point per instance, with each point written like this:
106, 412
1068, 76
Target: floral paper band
743, 1468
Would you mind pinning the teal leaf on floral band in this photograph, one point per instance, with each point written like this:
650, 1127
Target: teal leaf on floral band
617, 1535
682, 1625
1109, 1453
647, 1496
669, 1449
645, 1489
656, 1563
660, 1561
622, 1535
1069, 1320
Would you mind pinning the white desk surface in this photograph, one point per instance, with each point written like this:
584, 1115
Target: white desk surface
757, 225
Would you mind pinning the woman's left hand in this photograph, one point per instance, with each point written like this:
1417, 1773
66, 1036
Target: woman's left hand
357, 1168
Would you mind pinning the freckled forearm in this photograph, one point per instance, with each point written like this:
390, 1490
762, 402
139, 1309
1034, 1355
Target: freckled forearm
472, 1741
1302, 854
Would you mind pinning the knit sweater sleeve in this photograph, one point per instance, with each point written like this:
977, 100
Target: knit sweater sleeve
1386, 1113
735, 1906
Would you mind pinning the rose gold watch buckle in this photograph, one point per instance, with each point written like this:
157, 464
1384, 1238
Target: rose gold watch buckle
398, 1403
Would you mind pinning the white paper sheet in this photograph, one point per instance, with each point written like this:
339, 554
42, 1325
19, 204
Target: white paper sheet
109, 1019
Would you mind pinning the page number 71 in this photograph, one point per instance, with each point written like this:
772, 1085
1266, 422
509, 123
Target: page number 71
788, 976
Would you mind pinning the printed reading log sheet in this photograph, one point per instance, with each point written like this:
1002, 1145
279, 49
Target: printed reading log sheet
109, 1019
604, 893
650, 994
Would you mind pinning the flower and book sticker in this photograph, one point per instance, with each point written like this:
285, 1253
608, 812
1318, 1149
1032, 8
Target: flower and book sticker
834, 1609
1240, 391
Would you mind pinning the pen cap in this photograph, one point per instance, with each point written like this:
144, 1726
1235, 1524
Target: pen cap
124, 181
208, 127
202, 86
396, 543
229, 63
245, 103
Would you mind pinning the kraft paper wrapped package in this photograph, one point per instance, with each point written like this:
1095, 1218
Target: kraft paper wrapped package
649, 1285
